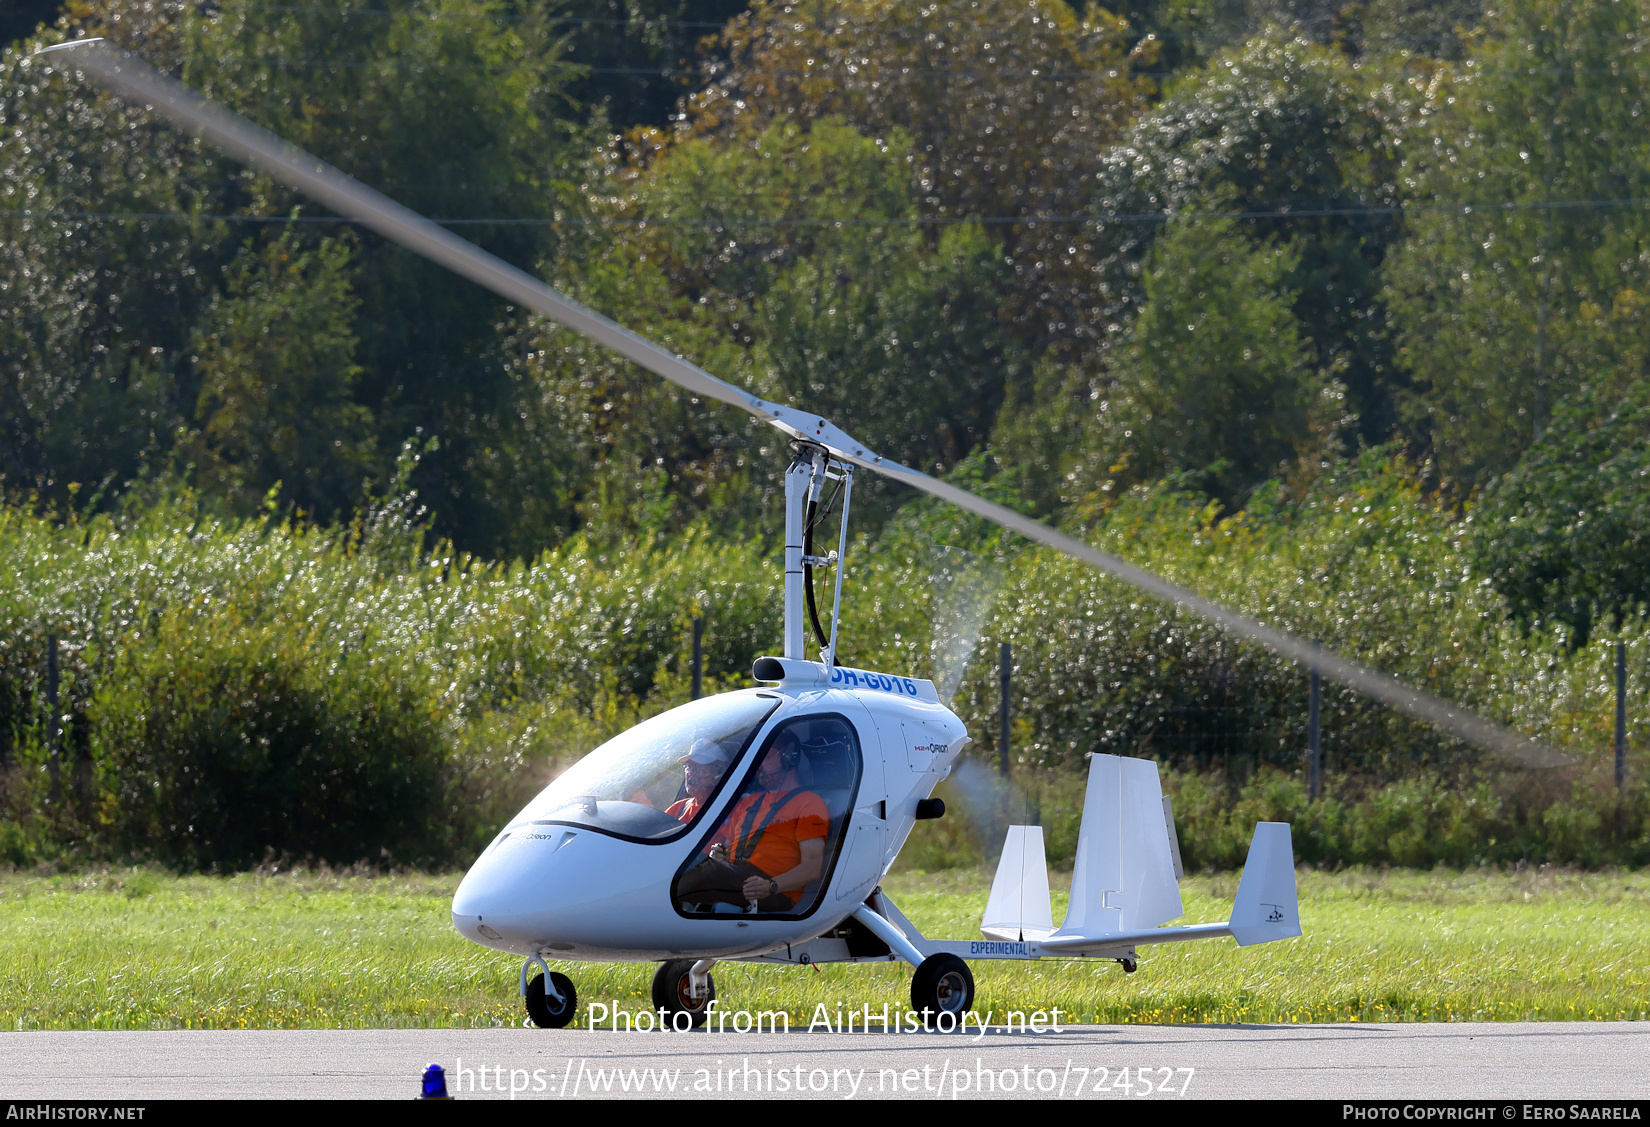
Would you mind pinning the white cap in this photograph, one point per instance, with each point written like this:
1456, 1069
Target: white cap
704, 751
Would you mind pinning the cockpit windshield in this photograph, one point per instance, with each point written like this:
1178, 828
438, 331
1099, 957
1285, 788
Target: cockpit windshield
651, 782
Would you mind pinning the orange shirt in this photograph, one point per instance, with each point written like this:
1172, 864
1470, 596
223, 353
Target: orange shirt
683, 809
778, 848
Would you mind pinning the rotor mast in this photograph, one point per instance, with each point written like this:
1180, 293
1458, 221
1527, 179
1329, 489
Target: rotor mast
797, 481
804, 483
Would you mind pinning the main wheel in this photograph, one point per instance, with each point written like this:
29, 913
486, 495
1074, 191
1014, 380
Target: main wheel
544, 1011
943, 984
671, 992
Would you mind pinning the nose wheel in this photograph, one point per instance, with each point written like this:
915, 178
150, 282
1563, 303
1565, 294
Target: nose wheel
552, 1008
943, 984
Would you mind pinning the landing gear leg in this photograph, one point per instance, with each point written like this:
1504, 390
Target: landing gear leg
549, 997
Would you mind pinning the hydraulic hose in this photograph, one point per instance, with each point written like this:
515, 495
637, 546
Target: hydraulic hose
808, 578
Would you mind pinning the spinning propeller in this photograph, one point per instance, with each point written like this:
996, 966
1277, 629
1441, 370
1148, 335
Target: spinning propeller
965, 587
140, 83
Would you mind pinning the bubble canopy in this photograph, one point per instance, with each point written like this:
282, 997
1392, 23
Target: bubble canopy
629, 786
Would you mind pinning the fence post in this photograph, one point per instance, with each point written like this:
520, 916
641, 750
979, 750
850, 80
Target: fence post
1005, 673
53, 722
1621, 717
1314, 732
698, 657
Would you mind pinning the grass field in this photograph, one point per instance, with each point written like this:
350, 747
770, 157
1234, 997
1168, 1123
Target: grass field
135, 949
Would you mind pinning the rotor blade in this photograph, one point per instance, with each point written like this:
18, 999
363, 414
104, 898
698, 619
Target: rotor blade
1452, 718
140, 83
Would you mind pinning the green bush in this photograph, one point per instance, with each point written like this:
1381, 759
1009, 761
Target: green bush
232, 690
356, 693
1419, 822
218, 740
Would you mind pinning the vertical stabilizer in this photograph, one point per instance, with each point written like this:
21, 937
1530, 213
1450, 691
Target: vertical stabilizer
1266, 908
1124, 878
1019, 907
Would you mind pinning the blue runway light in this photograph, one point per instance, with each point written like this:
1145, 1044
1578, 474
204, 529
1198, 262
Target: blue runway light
435, 1084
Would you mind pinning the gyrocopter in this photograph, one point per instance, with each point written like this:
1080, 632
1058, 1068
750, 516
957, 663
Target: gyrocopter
756, 825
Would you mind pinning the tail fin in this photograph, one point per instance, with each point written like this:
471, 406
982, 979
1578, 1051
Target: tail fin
1266, 907
1124, 879
1018, 907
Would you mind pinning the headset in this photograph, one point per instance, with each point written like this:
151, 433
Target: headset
789, 746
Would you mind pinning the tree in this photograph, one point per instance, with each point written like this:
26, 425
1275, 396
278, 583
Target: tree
22, 17
95, 312
639, 58
1565, 535
788, 262
1518, 245
276, 357
902, 343
1008, 106
1215, 376
1285, 130
1417, 27
456, 107
1195, 31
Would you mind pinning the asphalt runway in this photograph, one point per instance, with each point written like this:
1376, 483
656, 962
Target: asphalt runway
1477, 1061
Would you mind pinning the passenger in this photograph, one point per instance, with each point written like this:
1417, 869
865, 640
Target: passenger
702, 769
770, 845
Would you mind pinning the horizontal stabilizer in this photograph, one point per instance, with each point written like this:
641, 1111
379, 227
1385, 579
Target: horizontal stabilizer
1018, 908
1266, 907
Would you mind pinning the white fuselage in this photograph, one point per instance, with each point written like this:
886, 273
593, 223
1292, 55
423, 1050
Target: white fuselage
571, 892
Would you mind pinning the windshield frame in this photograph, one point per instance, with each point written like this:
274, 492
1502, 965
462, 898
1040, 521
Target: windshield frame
710, 803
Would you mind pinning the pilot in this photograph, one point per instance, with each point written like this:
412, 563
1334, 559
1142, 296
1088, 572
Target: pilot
770, 845
702, 769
